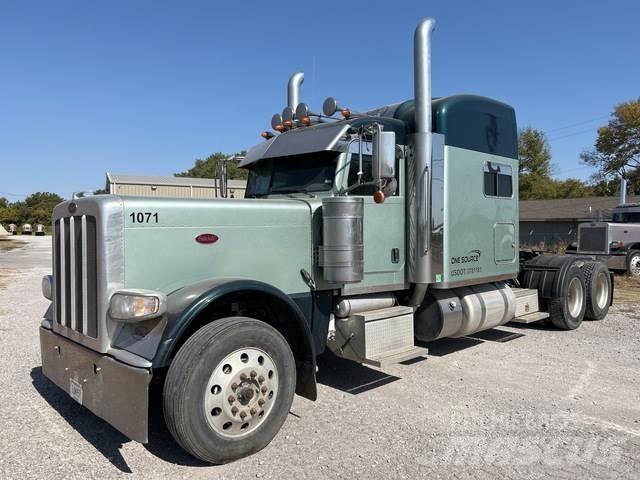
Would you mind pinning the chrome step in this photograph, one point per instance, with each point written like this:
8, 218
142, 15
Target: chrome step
531, 317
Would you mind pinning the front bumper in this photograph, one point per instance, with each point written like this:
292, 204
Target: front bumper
114, 391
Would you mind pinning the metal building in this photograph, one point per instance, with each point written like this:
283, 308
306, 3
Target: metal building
551, 222
171, 187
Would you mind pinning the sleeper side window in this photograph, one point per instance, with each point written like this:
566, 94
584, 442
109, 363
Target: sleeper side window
498, 180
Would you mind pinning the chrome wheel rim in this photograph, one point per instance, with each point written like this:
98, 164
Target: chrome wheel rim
602, 290
634, 266
241, 392
575, 297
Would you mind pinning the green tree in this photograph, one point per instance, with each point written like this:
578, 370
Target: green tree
617, 148
534, 153
572, 188
210, 167
537, 187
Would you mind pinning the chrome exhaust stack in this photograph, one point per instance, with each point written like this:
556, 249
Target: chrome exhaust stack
419, 265
293, 90
623, 190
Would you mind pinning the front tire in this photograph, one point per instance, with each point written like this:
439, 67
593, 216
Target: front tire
229, 389
633, 263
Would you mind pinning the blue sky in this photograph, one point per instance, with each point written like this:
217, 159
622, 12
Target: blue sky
146, 87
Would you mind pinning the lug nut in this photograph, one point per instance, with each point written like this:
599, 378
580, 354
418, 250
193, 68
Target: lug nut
243, 414
260, 379
261, 402
264, 389
234, 386
253, 411
243, 376
234, 410
231, 399
253, 373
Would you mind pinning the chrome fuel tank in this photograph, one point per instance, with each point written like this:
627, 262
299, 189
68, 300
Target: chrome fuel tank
464, 311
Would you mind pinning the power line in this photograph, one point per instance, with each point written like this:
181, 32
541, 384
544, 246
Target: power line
581, 132
584, 122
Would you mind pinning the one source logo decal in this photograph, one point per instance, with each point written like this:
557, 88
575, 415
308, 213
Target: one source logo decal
471, 257
207, 238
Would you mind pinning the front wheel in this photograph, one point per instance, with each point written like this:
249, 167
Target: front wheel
229, 389
633, 263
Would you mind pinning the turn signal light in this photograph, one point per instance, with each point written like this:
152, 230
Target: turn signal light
378, 197
288, 123
280, 128
266, 135
306, 121
346, 113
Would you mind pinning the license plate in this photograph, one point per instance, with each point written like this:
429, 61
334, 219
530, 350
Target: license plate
75, 390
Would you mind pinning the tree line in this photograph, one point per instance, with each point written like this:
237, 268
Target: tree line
615, 154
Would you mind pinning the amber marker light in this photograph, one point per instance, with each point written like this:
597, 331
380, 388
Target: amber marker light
288, 123
346, 113
378, 197
266, 135
280, 128
306, 121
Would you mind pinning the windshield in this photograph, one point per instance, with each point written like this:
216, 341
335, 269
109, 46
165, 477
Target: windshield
626, 217
310, 172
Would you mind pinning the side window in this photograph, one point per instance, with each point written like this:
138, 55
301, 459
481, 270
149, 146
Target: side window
354, 167
498, 180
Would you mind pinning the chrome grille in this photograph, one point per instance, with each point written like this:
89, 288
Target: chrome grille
75, 273
593, 239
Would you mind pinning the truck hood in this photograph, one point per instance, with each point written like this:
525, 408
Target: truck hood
169, 243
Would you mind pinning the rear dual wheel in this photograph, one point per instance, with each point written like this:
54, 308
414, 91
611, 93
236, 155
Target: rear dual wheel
598, 289
229, 389
567, 310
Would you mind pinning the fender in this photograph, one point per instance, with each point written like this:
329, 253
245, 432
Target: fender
186, 304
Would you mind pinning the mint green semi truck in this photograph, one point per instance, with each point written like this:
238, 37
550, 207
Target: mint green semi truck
366, 234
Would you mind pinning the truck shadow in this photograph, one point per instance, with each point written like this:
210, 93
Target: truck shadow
348, 376
106, 439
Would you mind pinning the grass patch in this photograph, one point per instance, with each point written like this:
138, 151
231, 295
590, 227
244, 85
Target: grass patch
626, 289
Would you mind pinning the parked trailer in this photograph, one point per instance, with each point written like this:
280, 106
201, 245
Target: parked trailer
13, 230
40, 230
368, 234
26, 229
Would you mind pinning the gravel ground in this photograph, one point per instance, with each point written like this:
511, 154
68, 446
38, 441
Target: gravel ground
512, 402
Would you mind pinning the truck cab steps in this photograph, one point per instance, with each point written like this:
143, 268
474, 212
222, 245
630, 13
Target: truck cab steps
376, 337
527, 306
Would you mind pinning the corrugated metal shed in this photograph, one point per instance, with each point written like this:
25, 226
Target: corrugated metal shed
171, 187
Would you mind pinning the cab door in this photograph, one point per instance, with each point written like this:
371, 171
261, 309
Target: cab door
384, 227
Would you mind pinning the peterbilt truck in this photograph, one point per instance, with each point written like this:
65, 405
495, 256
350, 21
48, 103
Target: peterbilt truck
617, 243
366, 234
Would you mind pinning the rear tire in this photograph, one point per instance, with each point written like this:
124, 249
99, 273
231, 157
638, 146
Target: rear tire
229, 389
633, 263
598, 289
567, 311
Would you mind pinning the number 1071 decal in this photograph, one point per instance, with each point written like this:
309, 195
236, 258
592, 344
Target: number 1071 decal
144, 217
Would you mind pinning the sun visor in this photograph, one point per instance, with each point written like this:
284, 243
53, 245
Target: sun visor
318, 138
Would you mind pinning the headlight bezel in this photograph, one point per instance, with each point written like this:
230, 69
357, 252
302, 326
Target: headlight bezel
118, 313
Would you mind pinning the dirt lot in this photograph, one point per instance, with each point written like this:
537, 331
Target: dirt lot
513, 402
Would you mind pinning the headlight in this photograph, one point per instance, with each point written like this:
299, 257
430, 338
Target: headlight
137, 305
47, 287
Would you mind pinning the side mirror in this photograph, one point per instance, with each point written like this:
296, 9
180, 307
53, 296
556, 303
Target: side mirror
383, 158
